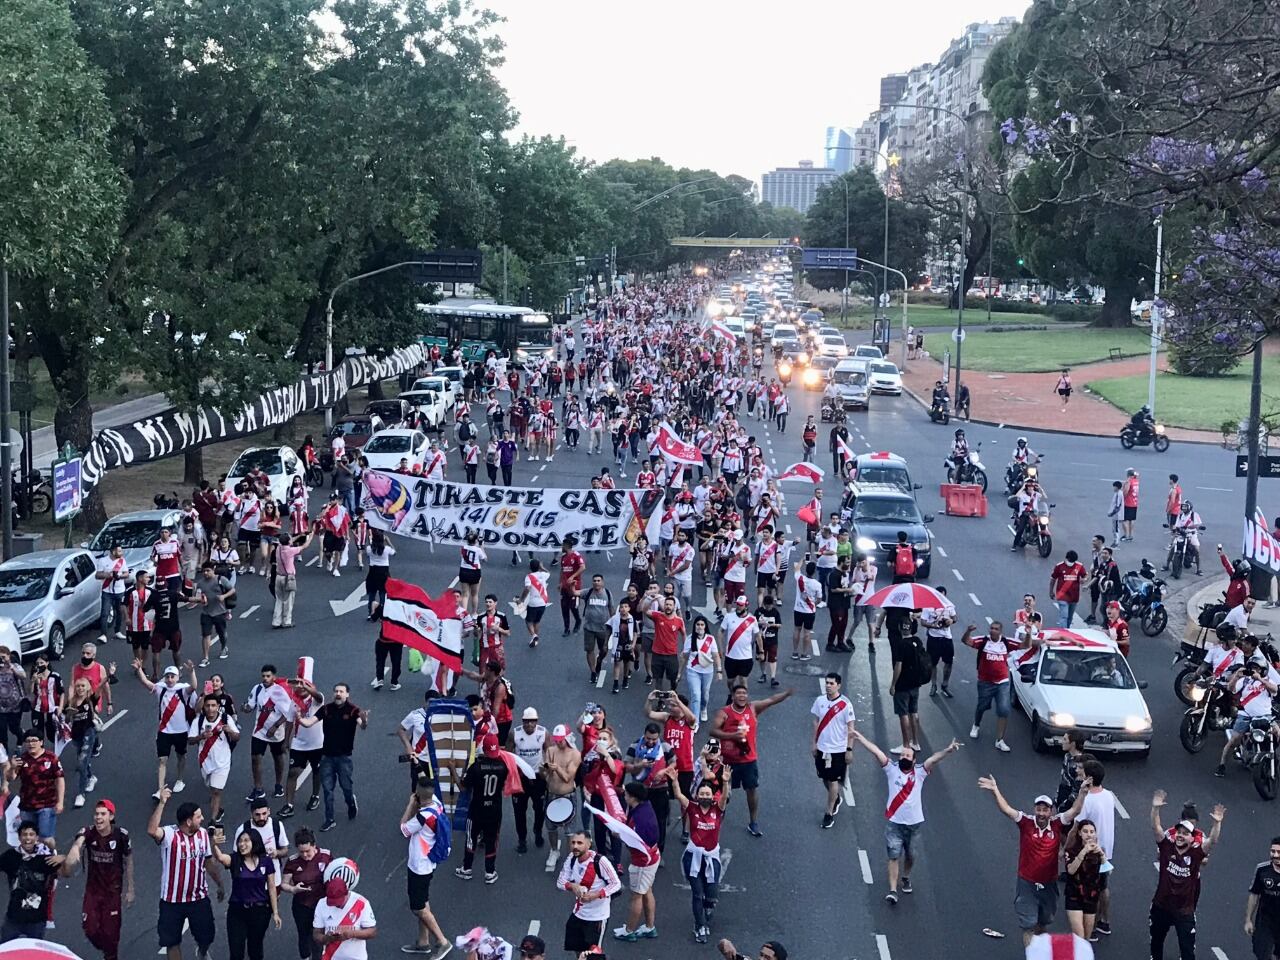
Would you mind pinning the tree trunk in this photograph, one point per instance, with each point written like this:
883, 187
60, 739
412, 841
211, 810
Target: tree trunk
375, 390
193, 466
979, 241
1115, 308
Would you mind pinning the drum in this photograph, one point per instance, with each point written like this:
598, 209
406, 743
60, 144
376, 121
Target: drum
559, 811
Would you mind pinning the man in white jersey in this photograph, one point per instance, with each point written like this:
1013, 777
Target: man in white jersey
741, 641
173, 699
833, 729
273, 711
527, 741
307, 744
680, 567
805, 608
211, 734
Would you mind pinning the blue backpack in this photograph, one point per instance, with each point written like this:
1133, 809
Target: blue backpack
443, 844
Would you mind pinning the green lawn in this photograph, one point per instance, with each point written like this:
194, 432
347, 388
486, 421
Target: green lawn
1200, 403
1036, 351
931, 316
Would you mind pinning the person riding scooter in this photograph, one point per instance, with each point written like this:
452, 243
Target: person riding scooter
959, 451
1188, 522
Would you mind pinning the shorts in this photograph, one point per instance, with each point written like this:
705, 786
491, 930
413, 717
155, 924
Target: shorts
733, 589
250, 538
580, 934
594, 641
139, 639
161, 638
640, 879
165, 742
1131, 513
997, 693
906, 702
744, 776
173, 917
419, 890
216, 778
468, 576
899, 838
771, 650
803, 621
260, 747
214, 625
301, 759
1073, 898
666, 665
625, 654
646, 642
333, 543
831, 771
1036, 904
766, 581
735, 667
534, 614
941, 649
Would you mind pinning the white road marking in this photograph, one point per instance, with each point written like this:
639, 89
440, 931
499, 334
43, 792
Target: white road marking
534, 927
846, 791
306, 772
942, 553
313, 561
865, 865
353, 601
1124, 814
959, 575
247, 613
882, 945
1216, 490
974, 598
1219, 954
114, 719
990, 621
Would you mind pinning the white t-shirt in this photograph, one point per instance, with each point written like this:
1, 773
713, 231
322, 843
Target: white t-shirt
179, 693
537, 584
1215, 656
930, 617
739, 644
1100, 807
329, 918
219, 756
1238, 617
808, 593
274, 837
421, 834
826, 559
415, 725
109, 565
268, 706
834, 737
312, 737
911, 810
677, 554
700, 652
735, 570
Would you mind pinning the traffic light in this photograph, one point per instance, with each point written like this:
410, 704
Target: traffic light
1022, 262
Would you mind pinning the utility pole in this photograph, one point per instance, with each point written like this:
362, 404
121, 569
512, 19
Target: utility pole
844, 293
6, 454
1259, 579
1155, 321
964, 266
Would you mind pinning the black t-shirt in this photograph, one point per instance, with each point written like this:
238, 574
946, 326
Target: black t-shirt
485, 779
1266, 887
770, 620
339, 724
28, 885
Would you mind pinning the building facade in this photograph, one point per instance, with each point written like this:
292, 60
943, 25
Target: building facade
795, 187
837, 149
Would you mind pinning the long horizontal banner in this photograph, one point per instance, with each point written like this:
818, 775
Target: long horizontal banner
510, 518
175, 431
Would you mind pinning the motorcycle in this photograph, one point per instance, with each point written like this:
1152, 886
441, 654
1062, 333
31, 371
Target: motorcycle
1142, 599
1032, 528
37, 487
1017, 474
1207, 714
970, 471
941, 412
166, 501
784, 373
1181, 552
1131, 436
1258, 754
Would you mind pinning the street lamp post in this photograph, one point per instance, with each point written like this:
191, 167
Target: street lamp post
1155, 316
872, 263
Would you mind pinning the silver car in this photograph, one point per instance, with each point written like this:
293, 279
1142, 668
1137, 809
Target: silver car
135, 532
49, 595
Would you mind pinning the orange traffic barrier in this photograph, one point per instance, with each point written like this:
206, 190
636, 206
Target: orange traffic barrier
963, 500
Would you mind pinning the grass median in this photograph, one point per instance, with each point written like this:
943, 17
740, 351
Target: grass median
1040, 351
1198, 403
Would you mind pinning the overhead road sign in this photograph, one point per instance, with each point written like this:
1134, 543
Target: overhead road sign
448, 266
731, 242
829, 258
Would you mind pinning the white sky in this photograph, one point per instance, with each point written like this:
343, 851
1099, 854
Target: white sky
738, 87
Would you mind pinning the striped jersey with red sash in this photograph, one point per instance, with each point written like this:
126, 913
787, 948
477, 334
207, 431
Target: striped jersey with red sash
349, 919
833, 711
901, 797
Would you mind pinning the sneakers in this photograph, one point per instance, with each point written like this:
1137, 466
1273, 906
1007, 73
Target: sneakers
905, 885
1002, 746
973, 732
278, 792
1220, 770
285, 812
313, 802
178, 786
394, 687
353, 808
896, 750
761, 679
753, 828
522, 847
828, 821
79, 800
375, 683
621, 933
947, 693
336, 573
701, 934
1103, 927
120, 636
418, 948
203, 663
327, 826
254, 794
538, 841
226, 653
442, 951
891, 897
703, 715
491, 877
93, 782
462, 873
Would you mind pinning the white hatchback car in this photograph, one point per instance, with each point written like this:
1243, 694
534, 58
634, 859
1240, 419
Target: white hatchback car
385, 450
1079, 680
833, 346
885, 377
280, 464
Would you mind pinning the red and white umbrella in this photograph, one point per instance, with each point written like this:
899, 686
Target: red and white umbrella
907, 596
25, 948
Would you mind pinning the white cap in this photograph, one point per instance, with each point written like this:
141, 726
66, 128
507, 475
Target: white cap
1045, 799
172, 670
529, 714
737, 534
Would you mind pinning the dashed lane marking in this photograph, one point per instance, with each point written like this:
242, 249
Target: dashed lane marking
865, 865
313, 561
1124, 814
989, 621
882, 945
1219, 954
942, 553
974, 598
249, 612
534, 927
1216, 490
958, 574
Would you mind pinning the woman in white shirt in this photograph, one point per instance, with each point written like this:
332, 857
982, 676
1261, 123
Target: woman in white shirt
225, 559
702, 664
375, 581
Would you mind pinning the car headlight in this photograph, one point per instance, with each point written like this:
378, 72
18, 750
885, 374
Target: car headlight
32, 627
784, 370
1197, 693
923, 547
1062, 719
1137, 724
865, 544
810, 378
803, 357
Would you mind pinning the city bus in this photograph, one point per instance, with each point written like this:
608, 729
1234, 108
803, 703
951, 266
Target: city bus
513, 333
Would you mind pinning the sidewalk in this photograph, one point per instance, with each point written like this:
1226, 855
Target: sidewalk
44, 446
1262, 621
1029, 400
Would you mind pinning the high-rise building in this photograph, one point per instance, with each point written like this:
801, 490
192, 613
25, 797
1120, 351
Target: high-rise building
892, 87
837, 149
795, 187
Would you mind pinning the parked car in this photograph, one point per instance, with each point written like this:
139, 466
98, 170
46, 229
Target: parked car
454, 376
135, 532
885, 377
390, 412
386, 449
356, 429
431, 404
1081, 681
49, 595
850, 379
868, 351
280, 464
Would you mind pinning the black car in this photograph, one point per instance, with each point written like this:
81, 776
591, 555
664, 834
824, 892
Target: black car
879, 512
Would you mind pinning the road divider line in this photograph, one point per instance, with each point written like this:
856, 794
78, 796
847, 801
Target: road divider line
942, 553
249, 612
1216, 490
1124, 814
958, 574
534, 927
989, 621
974, 598
865, 865
313, 561
114, 719
882, 946
1219, 953
846, 791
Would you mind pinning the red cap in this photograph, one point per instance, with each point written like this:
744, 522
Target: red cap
108, 806
335, 892
490, 745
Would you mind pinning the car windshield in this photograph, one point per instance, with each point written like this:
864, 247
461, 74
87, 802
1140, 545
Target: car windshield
888, 368
888, 511
268, 461
126, 533
28, 583
1085, 668
882, 474
834, 341
865, 351
388, 443
354, 428
853, 377
824, 363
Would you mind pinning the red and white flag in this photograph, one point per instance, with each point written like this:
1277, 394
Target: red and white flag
810, 472
625, 833
718, 329
63, 733
673, 448
846, 452
432, 626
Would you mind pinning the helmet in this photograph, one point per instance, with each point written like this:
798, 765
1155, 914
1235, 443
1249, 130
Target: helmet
959, 434
1186, 506
1145, 409
1022, 441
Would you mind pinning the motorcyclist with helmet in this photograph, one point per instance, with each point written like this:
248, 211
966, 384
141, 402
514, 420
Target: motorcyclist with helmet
1188, 522
1143, 422
1029, 502
1022, 457
959, 452
941, 398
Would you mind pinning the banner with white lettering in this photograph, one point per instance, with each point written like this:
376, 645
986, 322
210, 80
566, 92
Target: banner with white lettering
175, 431
509, 518
1260, 548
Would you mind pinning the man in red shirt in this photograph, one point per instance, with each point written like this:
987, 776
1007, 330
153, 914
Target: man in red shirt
1130, 494
1178, 889
104, 849
668, 636
1039, 840
1064, 587
572, 567
993, 677
735, 726
42, 788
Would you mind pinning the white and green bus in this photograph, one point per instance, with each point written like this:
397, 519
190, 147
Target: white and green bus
478, 326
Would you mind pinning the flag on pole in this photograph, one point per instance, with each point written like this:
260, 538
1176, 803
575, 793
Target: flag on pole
810, 472
625, 834
718, 329
432, 626
673, 448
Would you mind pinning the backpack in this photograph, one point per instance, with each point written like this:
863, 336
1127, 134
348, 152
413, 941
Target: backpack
442, 846
904, 561
917, 665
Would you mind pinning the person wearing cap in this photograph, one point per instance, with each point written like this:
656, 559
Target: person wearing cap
213, 733
533, 948
1040, 839
485, 778
1178, 890
741, 641
108, 858
173, 699
560, 764
343, 921
737, 561
769, 950
528, 742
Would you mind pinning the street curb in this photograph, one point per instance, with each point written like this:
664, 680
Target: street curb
1015, 426
1197, 599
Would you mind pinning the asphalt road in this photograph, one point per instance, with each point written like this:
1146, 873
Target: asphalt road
819, 892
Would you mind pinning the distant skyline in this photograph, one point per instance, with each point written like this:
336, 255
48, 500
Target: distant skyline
737, 87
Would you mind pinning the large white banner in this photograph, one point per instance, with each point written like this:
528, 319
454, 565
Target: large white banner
509, 518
